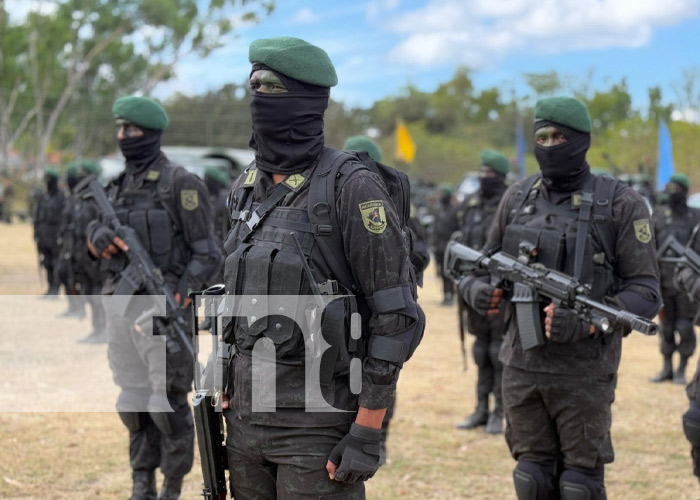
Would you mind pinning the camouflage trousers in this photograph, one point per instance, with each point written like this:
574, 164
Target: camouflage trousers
558, 417
284, 463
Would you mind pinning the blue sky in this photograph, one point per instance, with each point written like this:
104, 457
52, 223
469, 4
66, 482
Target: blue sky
380, 46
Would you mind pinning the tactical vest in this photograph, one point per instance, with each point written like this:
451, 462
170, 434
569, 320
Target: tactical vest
574, 238
476, 220
150, 211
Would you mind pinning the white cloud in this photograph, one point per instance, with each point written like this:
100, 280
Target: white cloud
305, 16
18, 9
479, 33
377, 9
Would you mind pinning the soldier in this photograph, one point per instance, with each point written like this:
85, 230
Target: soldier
444, 226
474, 217
285, 213
169, 210
557, 396
47, 222
676, 219
64, 269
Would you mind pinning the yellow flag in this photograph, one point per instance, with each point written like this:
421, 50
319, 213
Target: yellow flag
405, 147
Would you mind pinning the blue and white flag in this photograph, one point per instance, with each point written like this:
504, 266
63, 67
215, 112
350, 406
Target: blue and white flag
664, 165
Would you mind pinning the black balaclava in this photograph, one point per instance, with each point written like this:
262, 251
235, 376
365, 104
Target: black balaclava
678, 199
51, 185
213, 186
287, 127
141, 151
72, 181
564, 167
492, 185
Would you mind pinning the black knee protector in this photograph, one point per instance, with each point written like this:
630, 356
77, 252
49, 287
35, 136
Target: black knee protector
534, 481
691, 423
577, 483
480, 351
130, 404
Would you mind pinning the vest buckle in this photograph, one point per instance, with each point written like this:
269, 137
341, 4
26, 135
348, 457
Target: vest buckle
324, 229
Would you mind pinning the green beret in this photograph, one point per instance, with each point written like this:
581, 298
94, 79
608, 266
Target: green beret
566, 111
71, 169
362, 143
51, 172
217, 174
498, 162
446, 188
681, 180
294, 58
141, 111
91, 166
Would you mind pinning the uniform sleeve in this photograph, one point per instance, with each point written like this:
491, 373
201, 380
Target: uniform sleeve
635, 254
193, 207
377, 253
500, 220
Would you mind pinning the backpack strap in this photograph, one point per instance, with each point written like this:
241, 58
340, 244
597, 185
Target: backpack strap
322, 211
603, 195
166, 193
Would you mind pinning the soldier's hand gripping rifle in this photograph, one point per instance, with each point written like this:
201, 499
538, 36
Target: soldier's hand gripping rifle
208, 419
532, 281
141, 273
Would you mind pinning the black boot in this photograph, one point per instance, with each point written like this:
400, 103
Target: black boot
144, 485
666, 373
679, 374
171, 488
478, 418
495, 423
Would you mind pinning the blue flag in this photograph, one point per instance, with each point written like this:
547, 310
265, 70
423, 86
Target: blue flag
520, 146
664, 166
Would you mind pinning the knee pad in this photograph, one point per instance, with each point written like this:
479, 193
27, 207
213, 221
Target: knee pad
577, 483
534, 481
161, 412
130, 403
691, 423
480, 351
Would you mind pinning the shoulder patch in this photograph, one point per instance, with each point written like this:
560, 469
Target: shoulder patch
153, 175
295, 181
473, 201
576, 200
189, 199
642, 230
250, 177
373, 216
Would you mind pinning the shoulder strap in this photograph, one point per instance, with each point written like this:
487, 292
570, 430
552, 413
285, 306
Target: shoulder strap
322, 211
166, 192
524, 193
603, 196
584, 217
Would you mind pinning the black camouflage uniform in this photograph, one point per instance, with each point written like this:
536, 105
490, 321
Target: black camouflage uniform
283, 453
557, 396
169, 210
676, 219
474, 216
217, 183
47, 222
444, 225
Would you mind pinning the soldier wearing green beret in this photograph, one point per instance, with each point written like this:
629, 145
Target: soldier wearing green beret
47, 221
675, 219
308, 220
557, 394
474, 216
168, 208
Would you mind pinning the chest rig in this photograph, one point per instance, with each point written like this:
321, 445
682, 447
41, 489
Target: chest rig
149, 210
574, 237
476, 220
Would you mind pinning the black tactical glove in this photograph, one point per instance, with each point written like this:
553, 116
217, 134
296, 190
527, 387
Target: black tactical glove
101, 237
567, 326
476, 293
357, 454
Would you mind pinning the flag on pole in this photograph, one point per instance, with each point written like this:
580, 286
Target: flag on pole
520, 146
405, 147
664, 165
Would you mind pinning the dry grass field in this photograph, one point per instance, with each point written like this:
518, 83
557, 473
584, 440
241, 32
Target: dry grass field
84, 455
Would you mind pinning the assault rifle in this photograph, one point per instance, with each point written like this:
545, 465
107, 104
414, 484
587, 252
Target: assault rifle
208, 420
530, 281
141, 273
673, 251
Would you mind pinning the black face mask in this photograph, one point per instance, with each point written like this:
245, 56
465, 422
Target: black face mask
72, 182
141, 151
51, 185
678, 199
288, 127
564, 167
491, 186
